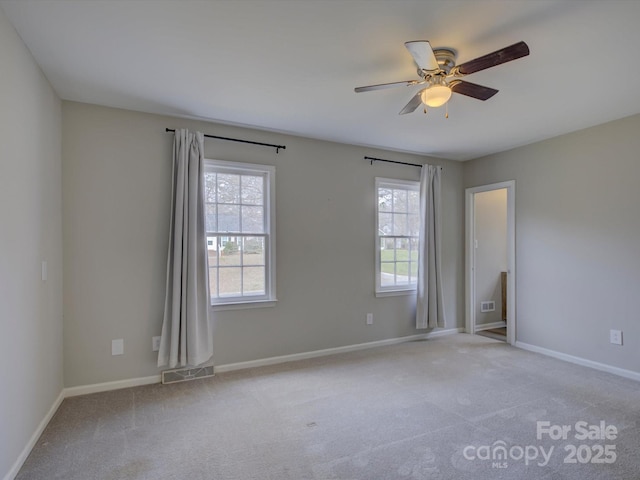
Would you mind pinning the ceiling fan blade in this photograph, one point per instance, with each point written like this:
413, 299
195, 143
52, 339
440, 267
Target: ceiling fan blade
472, 90
507, 54
381, 86
422, 54
413, 103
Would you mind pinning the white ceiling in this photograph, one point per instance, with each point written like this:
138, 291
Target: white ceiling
291, 65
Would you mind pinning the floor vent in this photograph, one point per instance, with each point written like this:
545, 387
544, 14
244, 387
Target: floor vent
184, 374
487, 306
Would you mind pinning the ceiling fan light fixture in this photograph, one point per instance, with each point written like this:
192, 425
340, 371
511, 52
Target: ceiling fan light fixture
436, 95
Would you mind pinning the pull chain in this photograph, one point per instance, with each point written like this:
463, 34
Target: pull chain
446, 106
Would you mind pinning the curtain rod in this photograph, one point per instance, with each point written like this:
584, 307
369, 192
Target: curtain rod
277, 147
374, 159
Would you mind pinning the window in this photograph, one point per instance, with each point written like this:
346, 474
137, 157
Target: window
397, 227
240, 221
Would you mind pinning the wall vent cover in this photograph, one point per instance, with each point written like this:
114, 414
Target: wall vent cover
184, 374
487, 306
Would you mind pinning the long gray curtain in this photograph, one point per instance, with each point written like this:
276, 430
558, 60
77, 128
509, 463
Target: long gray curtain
430, 304
186, 333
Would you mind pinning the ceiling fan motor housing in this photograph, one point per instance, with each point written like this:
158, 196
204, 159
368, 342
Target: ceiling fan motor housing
446, 58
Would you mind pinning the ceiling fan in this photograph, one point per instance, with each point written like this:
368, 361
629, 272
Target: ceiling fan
438, 71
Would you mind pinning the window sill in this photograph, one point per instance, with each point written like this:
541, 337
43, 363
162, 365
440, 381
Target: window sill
395, 293
219, 307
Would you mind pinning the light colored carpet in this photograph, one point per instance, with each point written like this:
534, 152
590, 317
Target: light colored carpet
409, 411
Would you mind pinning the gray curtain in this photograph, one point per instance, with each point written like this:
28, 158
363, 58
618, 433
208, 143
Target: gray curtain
186, 333
430, 304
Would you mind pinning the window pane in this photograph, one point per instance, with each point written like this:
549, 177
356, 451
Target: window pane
414, 201
253, 280
228, 218
402, 273
414, 249
210, 187
213, 282
384, 199
210, 217
399, 200
387, 244
212, 251
252, 189
413, 272
253, 251
413, 243
387, 274
385, 224
400, 224
230, 281
414, 225
388, 254
228, 188
252, 219
230, 253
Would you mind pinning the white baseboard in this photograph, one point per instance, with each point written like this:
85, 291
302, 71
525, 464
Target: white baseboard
580, 361
262, 362
104, 387
135, 382
489, 326
11, 474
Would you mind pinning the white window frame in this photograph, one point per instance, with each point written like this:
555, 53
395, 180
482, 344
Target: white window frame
390, 290
269, 200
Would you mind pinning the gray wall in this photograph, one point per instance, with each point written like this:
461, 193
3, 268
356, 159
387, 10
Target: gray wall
117, 167
577, 237
31, 376
491, 253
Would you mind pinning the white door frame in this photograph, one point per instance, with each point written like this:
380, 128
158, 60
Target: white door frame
470, 294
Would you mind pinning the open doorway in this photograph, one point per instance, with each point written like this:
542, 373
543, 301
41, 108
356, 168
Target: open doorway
490, 261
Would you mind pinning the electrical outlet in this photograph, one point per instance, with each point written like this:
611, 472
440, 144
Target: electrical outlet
369, 318
117, 347
615, 337
155, 343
